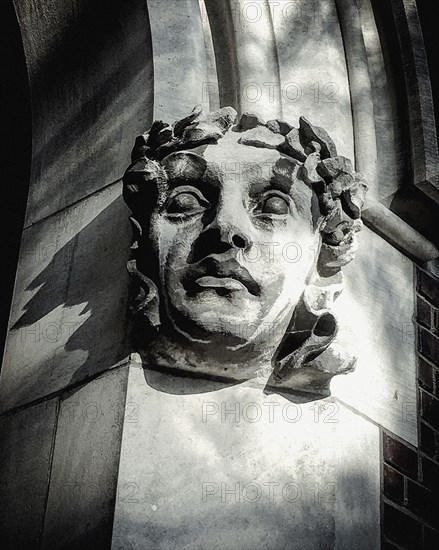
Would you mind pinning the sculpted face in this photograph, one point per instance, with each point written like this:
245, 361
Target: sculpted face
234, 235
241, 232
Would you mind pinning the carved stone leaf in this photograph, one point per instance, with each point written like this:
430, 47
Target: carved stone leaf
140, 148
292, 145
309, 133
334, 166
249, 121
340, 233
262, 137
201, 132
180, 125
167, 149
165, 135
341, 254
326, 203
339, 172
353, 200
223, 118
309, 170
279, 126
211, 129
156, 128
333, 219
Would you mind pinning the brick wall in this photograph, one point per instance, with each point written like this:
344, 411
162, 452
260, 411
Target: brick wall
410, 475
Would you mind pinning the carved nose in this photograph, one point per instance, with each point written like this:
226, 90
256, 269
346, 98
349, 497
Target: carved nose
231, 231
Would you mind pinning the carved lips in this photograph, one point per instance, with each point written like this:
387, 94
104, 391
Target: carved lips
227, 275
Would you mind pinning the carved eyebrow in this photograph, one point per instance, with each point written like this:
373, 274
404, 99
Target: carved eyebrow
280, 184
207, 180
181, 180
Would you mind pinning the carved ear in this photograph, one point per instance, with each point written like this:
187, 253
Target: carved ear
312, 330
300, 346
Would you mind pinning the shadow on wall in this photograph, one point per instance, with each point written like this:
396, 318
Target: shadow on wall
75, 325
91, 75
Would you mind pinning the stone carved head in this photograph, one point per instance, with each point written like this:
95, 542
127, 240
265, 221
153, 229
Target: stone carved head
241, 232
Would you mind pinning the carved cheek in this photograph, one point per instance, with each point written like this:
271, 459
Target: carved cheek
175, 240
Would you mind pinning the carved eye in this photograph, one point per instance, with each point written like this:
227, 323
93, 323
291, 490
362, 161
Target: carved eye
186, 201
277, 204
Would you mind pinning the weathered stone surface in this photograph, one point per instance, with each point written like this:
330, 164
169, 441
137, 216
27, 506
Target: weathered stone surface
25, 460
309, 133
260, 471
262, 137
84, 474
340, 244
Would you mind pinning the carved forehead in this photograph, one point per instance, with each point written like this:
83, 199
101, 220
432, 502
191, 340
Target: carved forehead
230, 159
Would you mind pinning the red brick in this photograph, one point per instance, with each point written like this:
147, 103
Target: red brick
422, 502
400, 456
425, 374
430, 409
393, 485
423, 312
429, 345
427, 440
429, 287
402, 528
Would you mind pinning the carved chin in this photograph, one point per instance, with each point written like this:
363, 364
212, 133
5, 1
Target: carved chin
213, 317
229, 319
